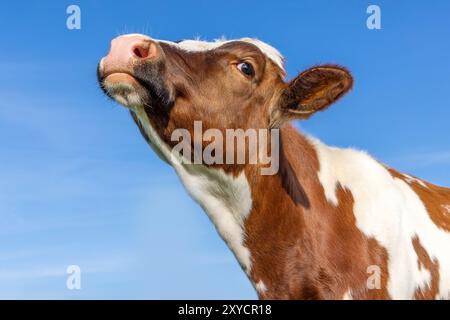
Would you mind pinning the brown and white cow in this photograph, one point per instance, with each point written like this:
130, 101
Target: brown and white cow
331, 223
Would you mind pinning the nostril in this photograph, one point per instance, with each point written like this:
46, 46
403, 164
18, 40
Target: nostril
141, 52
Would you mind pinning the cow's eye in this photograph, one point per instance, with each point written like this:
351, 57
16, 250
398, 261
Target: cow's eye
246, 68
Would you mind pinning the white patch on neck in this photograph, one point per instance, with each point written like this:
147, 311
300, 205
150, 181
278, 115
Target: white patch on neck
388, 210
260, 287
198, 45
446, 207
347, 295
412, 180
226, 199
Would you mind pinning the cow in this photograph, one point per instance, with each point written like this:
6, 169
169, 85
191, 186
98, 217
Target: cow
330, 223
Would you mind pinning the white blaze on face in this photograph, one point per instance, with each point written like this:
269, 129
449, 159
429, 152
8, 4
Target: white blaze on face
197, 46
387, 209
226, 199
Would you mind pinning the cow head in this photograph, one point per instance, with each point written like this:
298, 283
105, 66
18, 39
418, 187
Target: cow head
235, 84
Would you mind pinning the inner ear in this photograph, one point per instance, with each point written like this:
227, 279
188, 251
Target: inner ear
313, 90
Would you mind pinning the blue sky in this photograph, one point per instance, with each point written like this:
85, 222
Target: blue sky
78, 184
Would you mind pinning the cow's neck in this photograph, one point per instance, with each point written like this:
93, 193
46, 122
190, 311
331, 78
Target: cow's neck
226, 198
276, 222
258, 216
255, 214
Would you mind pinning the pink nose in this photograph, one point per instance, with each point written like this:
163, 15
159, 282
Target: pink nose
127, 50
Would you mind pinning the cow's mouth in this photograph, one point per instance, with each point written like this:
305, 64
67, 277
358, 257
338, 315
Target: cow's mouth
123, 87
143, 87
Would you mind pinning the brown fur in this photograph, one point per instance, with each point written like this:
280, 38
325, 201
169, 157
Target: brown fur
312, 251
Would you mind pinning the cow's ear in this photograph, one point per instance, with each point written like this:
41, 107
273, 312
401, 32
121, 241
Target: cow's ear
312, 90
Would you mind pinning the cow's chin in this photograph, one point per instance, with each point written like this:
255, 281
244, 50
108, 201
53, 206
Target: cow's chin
125, 89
